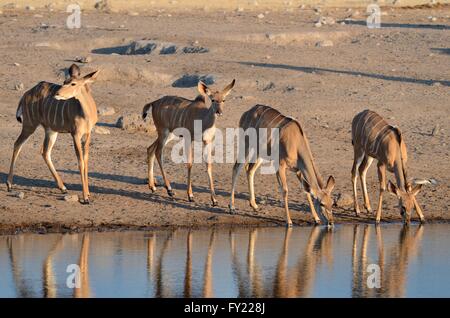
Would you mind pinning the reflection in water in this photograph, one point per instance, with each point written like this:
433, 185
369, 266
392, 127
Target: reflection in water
263, 262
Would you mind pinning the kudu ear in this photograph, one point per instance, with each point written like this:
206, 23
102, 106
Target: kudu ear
416, 189
91, 77
330, 184
228, 88
203, 89
393, 189
74, 71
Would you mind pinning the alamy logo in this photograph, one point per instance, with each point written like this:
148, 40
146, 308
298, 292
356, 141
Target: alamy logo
374, 18
374, 278
74, 279
74, 19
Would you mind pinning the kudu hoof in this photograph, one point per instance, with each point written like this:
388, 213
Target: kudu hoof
191, 198
317, 222
9, 186
215, 203
289, 224
85, 202
232, 209
171, 193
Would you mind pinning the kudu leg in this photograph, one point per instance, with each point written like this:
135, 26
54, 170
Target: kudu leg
151, 162
189, 173
281, 176
159, 156
237, 168
24, 135
358, 158
382, 179
79, 152
87, 143
362, 176
419, 211
210, 177
251, 182
49, 142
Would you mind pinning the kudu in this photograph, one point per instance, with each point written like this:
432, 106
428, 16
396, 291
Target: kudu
294, 154
172, 112
373, 137
69, 108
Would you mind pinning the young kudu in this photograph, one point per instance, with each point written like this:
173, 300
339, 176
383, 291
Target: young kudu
69, 108
294, 154
373, 137
172, 112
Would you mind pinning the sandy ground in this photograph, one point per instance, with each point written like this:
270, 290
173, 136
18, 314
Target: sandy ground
401, 71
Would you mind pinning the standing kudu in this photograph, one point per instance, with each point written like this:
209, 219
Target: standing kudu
172, 112
294, 154
373, 137
69, 108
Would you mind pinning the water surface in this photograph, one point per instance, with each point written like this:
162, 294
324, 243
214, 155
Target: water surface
266, 262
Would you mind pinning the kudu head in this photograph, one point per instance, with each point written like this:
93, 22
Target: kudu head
217, 97
73, 85
407, 199
323, 201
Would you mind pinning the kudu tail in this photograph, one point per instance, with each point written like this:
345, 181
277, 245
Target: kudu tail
146, 110
19, 112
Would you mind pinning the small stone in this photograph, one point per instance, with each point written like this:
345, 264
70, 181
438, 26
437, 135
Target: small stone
260, 16
19, 195
16, 64
133, 14
38, 16
106, 111
101, 130
71, 198
240, 9
437, 84
325, 43
30, 8
344, 200
83, 59
19, 87
317, 24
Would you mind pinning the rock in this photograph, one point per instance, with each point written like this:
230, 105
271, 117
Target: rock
141, 47
317, 24
269, 86
325, 43
134, 122
38, 16
101, 130
19, 87
102, 5
344, 200
260, 16
106, 111
326, 20
10, 5
437, 84
133, 13
188, 80
30, 8
19, 195
83, 59
435, 130
71, 198
195, 49
168, 49
240, 9
16, 64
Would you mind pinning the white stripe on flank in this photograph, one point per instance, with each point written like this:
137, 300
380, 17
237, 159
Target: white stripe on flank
62, 114
370, 132
56, 112
261, 116
363, 128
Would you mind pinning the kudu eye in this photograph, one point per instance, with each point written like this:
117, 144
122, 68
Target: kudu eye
73, 84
